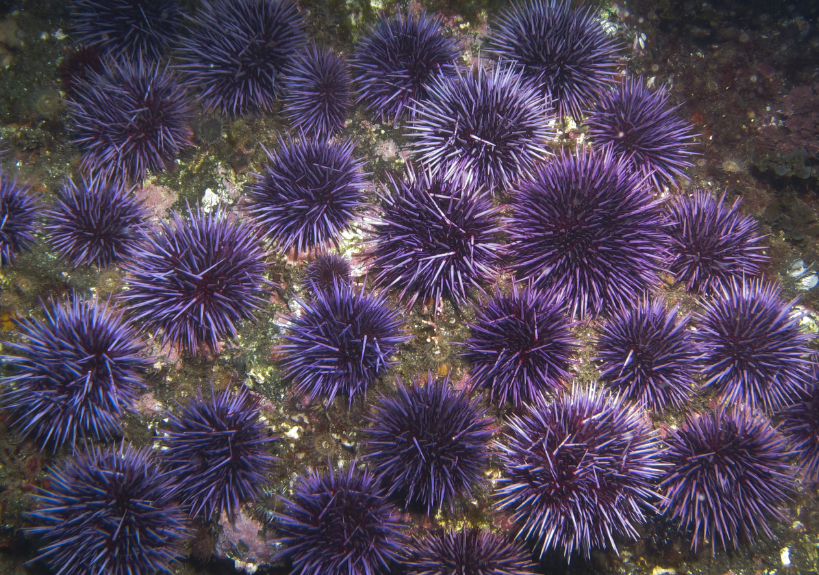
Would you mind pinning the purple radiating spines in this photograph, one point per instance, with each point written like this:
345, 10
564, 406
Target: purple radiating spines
18, 216
799, 422
326, 270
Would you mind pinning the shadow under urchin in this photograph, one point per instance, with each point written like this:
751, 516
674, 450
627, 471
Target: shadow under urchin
428, 443
215, 451
520, 345
585, 225
578, 470
195, 278
565, 52
482, 128
18, 217
729, 474
237, 52
397, 60
309, 193
435, 240
77, 373
129, 119
109, 510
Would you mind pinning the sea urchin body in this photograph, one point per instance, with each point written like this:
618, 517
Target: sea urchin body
17, 218
800, 424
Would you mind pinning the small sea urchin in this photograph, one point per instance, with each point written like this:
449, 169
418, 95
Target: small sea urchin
215, 451
710, 244
428, 444
800, 424
78, 372
729, 474
17, 218
520, 345
326, 270
435, 239
753, 351
195, 279
339, 522
579, 470
397, 60
564, 51
109, 511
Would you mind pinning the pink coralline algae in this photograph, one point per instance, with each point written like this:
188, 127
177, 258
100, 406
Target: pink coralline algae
799, 130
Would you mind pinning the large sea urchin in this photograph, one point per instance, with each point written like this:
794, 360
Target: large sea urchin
109, 511
520, 345
339, 522
753, 351
195, 279
586, 225
17, 218
729, 474
79, 371
711, 244
238, 51
435, 239
487, 128
397, 60
578, 470
215, 451
428, 444
564, 51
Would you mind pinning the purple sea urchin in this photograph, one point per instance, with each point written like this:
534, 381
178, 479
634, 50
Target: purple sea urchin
579, 470
195, 279
711, 244
800, 424
129, 119
341, 341
317, 92
238, 51
520, 345
78, 372
110, 511
428, 444
564, 51
215, 451
326, 270
586, 225
647, 353
467, 552
309, 193
640, 126
753, 351
485, 128
729, 474
17, 219
435, 239
339, 522
95, 223
397, 60
127, 28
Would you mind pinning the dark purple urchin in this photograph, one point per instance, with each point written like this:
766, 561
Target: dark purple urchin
396, 62
78, 372
238, 51
339, 522
17, 219
129, 119
753, 351
729, 473
564, 51
326, 270
309, 193
487, 128
194, 279
127, 28
579, 470
586, 225
111, 511
800, 424
427, 443
317, 92
710, 244
95, 223
639, 125
435, 239
647, 354
467, 552
520, 345
215, 451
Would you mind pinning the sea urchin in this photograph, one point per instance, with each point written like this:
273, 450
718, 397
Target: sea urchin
17, 218
800, 424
